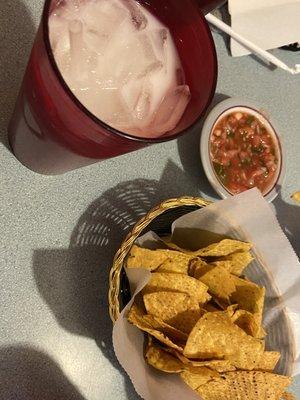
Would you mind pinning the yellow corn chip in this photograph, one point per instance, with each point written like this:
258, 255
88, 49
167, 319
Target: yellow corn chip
145, 258
236, 262
161, 326
198, 376
177, 309
216, 365
249, 323
222, 303
219, 281
210, 307
163, 361
196, 266
222, 263
167, 282
175, 247
230, 310
151, 260
176, 263
249, 297
215, 336
249, 355
219, 249
268, 361
223, 248
245, 385
137, 319
158, 324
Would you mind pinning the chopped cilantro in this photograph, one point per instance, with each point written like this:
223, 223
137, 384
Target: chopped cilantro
220, 171
249, 120
257, 149
230, 133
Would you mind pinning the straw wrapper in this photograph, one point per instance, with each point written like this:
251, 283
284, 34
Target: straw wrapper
246, 217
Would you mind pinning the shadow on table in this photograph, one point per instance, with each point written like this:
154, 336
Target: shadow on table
17, 33
288, 216
74, 281
223, 14
27, 373
189, 152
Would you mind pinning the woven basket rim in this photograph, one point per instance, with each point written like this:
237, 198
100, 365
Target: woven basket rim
121, 254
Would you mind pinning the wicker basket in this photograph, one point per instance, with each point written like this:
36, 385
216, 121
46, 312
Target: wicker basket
159, 220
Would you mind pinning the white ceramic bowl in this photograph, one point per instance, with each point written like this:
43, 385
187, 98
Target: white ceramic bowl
222, 109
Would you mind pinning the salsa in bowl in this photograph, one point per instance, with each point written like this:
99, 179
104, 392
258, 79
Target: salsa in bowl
240, 149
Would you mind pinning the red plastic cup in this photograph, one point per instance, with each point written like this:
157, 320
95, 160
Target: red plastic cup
51, 132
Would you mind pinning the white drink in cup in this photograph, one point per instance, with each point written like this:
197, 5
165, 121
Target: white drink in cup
121, 63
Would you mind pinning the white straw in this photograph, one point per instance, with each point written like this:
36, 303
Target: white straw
250, 45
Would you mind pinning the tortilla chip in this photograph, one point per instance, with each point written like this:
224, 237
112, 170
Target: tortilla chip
177, 309
210, 307
163, 361
216, 365
195, 267
245, 385
249, 355
249, 297
215, 336
268, 361
145, 258
221, 303
224, 264
177, 263
174, 246
158, 324
151, 260
230, 310
223, 248
249, 323
218, 249
219, 281
161, 326
167, 282
136, 318
237, 261
198, 376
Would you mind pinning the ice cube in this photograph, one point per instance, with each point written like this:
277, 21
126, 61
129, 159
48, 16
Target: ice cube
130, 92
96, 41
57, 29
136, 94
138, 18
102, 21
159, 41
171, 109
142, 107
78, 51
133, 59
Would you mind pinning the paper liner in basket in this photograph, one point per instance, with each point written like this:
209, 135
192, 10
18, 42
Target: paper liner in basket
247, 217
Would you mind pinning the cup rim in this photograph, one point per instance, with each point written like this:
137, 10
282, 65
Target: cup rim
45, 32
210, 121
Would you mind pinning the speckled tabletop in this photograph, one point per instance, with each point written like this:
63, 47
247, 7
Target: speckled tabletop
59, 234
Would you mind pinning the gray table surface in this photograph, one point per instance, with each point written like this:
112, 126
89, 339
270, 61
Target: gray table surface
59, 234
